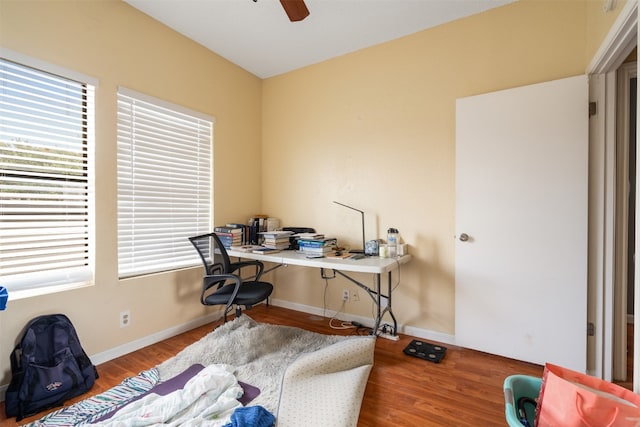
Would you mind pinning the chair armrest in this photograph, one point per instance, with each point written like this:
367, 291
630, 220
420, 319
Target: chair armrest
219, 280
249, 263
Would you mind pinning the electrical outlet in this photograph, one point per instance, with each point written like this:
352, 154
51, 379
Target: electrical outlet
345, 295
125, 318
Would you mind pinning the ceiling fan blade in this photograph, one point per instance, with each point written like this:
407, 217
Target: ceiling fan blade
296, 9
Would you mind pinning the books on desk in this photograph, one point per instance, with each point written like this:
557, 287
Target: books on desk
317, 246
244, 231
308, 236
265, 250
229, 236
276, 234
276, 239
318, 242
228, 229
343, 255
244, 248
257, 223
315, 251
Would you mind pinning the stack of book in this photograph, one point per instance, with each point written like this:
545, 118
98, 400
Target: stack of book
244, 228
257, 223
276, 239
316, 244
245, 248
229, 235
265, 250
308, 236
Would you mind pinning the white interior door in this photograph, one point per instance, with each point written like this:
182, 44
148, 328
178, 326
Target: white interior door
521, 198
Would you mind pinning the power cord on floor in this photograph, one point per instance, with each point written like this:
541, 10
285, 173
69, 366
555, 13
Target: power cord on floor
358, 328
343, 324
361, 329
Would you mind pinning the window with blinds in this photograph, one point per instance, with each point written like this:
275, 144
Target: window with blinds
46, 179
164, 183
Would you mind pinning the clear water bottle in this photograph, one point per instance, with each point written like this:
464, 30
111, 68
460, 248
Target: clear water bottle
393, 240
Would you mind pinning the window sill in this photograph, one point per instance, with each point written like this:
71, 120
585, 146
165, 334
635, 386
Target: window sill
46, 290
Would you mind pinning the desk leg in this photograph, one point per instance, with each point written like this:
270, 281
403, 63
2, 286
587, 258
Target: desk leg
376, 295
388, 307
378, 302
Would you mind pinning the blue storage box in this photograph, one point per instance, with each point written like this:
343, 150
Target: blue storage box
515, 387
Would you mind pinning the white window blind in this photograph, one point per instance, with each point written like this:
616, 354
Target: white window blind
164, 183
46, 179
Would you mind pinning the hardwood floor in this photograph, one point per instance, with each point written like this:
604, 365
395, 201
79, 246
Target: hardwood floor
465, 388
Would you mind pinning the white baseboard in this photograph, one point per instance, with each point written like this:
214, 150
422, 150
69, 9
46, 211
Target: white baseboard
367, 321
132, 346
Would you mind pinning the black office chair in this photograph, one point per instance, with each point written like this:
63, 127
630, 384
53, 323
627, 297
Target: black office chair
222, 283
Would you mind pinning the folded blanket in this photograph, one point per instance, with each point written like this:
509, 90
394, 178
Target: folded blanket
95, 407
162, 388
207, 399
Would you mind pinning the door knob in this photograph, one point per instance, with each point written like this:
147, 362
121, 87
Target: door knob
464, 237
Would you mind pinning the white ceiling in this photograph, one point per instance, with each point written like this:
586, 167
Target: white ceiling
259, 37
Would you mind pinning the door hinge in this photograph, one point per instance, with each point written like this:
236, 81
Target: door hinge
591, 329
592, 109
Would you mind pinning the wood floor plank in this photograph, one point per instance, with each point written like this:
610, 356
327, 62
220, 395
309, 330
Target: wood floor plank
465, 388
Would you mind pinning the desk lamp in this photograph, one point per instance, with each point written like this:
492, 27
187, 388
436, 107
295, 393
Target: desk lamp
355, 251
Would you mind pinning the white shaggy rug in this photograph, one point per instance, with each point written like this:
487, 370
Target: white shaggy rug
261, 353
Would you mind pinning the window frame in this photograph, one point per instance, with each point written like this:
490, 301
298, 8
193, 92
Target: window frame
27, 284
145, 244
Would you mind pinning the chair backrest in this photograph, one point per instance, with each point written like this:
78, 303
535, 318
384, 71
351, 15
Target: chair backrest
213, 254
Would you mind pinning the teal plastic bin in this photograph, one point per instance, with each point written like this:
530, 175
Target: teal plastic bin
515, 387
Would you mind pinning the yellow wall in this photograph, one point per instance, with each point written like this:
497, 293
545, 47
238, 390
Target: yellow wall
598, 24
374, 129
115, 43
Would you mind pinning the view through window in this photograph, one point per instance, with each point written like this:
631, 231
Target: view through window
46, 179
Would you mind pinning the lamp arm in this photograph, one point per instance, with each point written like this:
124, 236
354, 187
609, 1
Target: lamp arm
361, 215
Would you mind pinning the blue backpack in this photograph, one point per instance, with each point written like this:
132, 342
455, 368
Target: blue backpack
48, 366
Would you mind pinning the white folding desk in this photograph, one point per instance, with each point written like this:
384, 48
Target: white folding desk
372, 265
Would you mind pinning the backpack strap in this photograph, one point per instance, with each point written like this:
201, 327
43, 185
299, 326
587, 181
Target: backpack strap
13, 405
16, 366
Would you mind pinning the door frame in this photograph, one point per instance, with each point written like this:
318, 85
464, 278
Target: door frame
625, 73
620, 40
